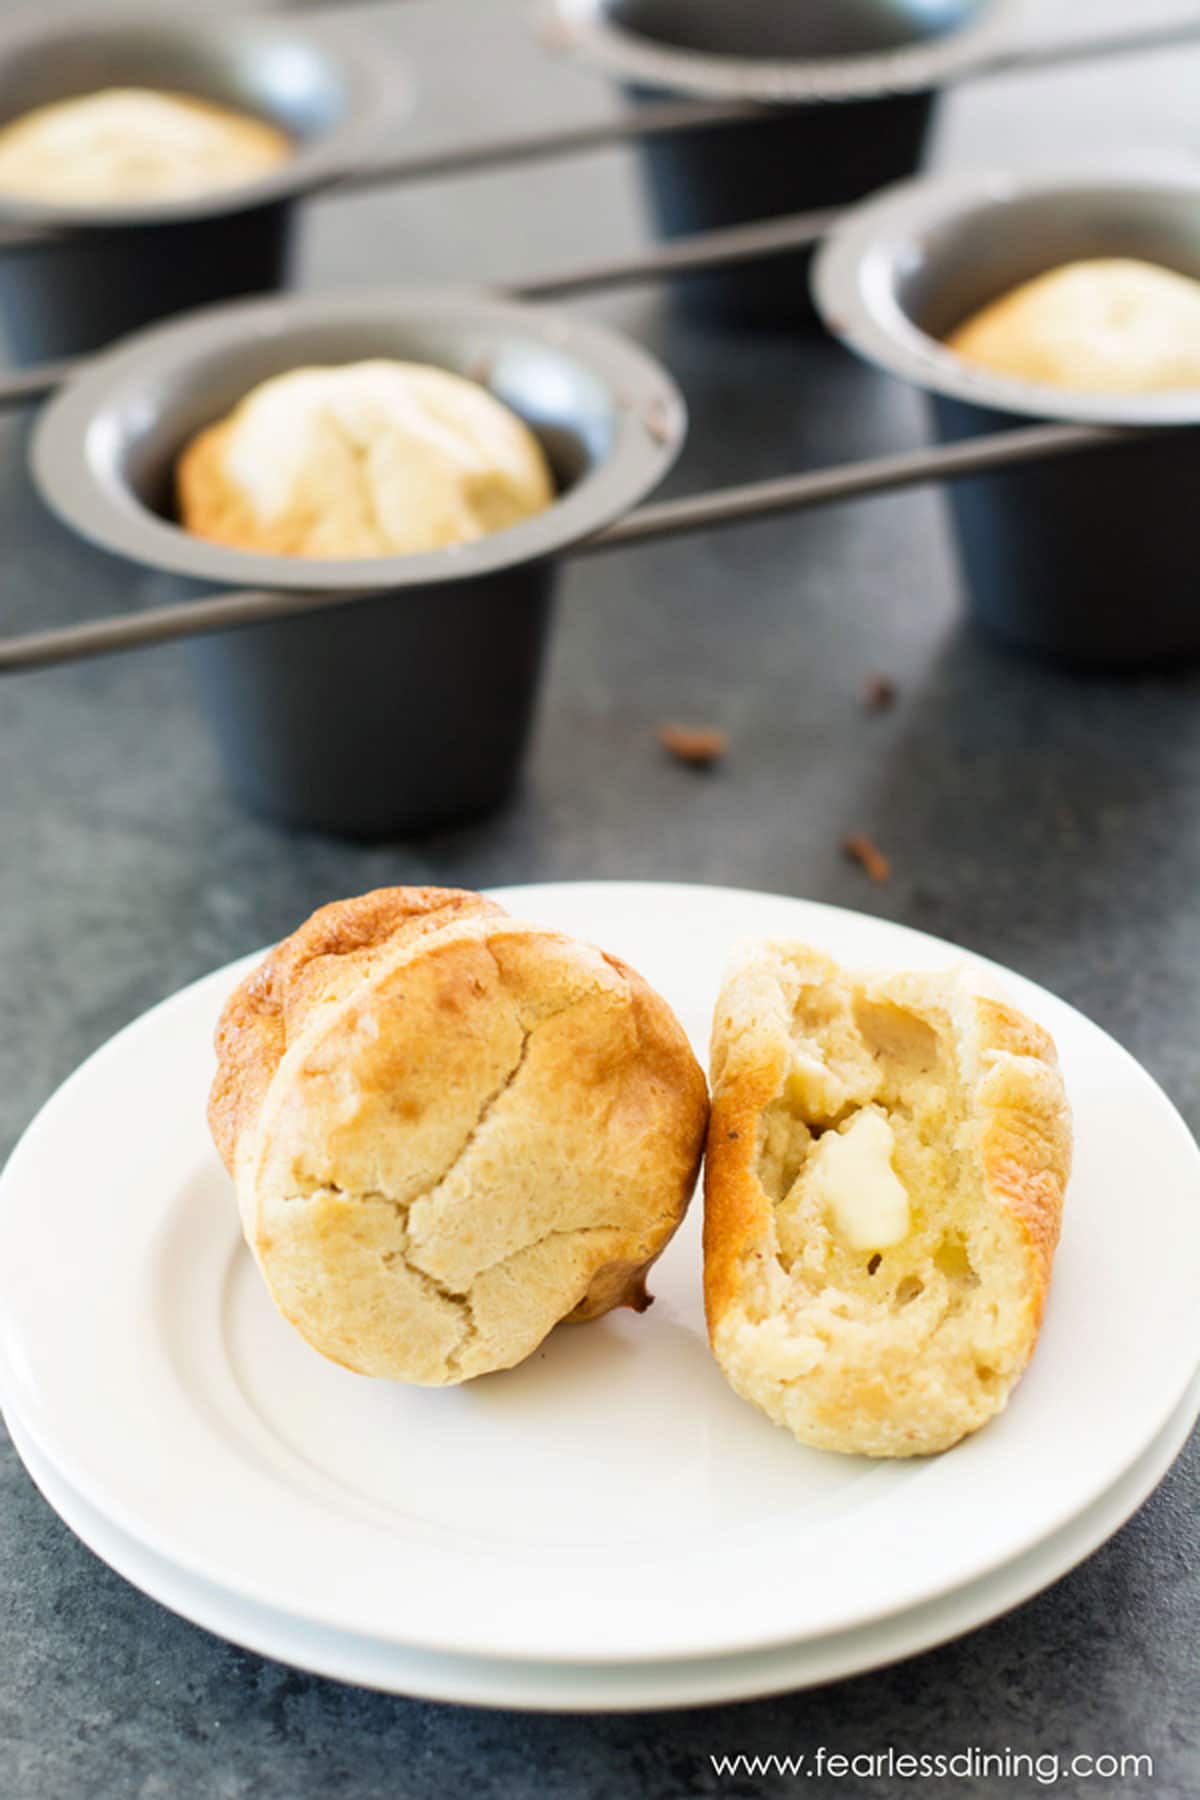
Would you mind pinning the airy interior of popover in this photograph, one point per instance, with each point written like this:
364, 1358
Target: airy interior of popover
867, 1158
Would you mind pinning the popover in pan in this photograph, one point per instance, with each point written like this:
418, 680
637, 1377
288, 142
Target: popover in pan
133, 144
374, 458
1108, 325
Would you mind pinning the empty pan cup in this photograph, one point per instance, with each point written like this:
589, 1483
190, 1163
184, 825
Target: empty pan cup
74, 277
847, 89
410, 709
1089, 558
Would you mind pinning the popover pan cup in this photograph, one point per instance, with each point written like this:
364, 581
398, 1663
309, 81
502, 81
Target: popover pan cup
1089, 558
412, 709
74, 277
848, 90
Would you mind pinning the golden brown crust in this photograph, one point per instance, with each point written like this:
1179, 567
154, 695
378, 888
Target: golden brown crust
667, 1068
737, 1212
329, 953
212, 507
450, 1130
1025, 1140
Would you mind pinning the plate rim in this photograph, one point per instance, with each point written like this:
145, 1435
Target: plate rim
1033, 1573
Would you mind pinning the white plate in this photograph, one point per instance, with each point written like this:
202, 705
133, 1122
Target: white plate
567, 1687
611, 1500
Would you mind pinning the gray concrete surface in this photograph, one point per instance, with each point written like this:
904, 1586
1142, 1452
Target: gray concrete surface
1047, 819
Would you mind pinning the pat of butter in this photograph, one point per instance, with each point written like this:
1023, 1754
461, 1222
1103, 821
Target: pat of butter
853, 1181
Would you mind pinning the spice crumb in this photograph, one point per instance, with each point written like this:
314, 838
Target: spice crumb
699, 745
878, 693
870, 858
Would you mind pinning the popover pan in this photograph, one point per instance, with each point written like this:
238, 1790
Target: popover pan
847, 91
73, 278
407, 710
1091, 560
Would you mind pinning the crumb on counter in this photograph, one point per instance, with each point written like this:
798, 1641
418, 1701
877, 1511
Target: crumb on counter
878, 693
699, 745
870, 858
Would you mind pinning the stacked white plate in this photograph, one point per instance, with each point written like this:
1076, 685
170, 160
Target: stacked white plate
606, 1526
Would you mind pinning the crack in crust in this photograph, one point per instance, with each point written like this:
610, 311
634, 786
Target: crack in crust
489, 1106
461, 1297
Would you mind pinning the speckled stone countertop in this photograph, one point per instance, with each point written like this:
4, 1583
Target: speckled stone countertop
1046, 819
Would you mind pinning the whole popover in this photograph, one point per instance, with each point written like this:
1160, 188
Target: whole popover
449, 1130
